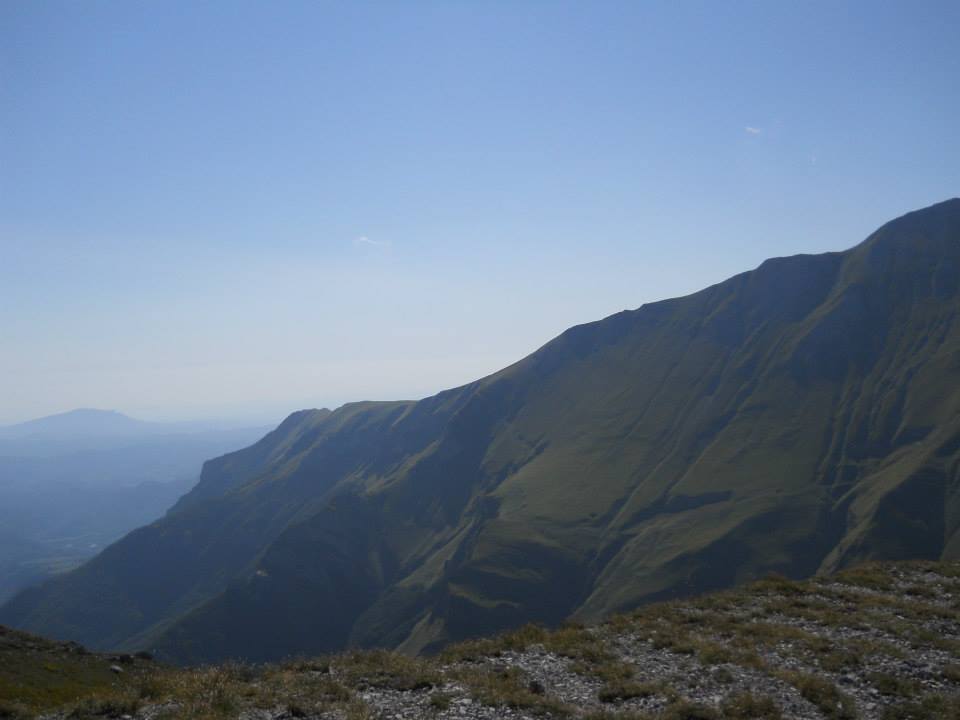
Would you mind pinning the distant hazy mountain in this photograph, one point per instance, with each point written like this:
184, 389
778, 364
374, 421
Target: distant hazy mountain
81, 422
795, 418
86, 430
71, 484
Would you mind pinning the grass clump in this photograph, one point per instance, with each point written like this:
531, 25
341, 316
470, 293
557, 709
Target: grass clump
577, 643
723, 676
747, 706
357, 709
301, 692
828, 698
869, 647
777, 584
309, 665
616, 715
212, 693
383, 669
893, 685
951, 672
508, 687
518, 640
111, 707
710, 653
870, 576
933, 707
674, 640
571, 641
839, 660
620, 691
685, 710
610, 671
922, 591
440, 701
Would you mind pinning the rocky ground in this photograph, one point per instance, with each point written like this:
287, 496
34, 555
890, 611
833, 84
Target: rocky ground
874, 643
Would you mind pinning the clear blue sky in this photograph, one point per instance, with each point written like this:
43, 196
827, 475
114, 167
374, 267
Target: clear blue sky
244, 208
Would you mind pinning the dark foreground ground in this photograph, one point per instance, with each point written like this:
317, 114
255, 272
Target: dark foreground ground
878, 642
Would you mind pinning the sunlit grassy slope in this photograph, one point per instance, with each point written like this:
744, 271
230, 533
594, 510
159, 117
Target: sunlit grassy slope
795, 418
36, 674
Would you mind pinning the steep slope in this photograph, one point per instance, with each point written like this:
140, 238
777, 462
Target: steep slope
795, 418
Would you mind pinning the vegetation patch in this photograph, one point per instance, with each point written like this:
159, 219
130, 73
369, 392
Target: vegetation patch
627, 690
893, 685
935, 707
478, 649
834, 704
509, 687
747, 706
383, 669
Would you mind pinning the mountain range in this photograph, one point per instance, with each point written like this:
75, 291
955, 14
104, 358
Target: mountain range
797, 418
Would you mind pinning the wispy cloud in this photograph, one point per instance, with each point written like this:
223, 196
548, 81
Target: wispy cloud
363, 240
753, 130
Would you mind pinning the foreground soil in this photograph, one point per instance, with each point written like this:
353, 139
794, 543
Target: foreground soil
880, 642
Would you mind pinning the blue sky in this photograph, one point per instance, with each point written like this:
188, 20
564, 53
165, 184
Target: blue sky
243, 208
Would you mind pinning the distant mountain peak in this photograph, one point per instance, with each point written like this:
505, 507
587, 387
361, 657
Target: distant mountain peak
90, 412
79, 421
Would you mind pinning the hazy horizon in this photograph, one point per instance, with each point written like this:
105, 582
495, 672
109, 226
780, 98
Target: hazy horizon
212, 423
236, 211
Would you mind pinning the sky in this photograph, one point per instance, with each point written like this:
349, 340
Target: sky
239, 209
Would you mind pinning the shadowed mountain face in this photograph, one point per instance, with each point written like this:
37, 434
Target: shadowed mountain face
795, 418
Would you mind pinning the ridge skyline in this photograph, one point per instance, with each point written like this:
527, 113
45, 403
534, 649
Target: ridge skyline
279, 413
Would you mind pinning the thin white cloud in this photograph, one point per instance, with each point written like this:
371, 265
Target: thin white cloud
753, 130
370, 242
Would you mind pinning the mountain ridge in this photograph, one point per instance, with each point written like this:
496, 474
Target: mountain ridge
798, 417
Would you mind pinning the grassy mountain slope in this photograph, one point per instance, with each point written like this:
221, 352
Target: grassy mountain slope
799, 417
